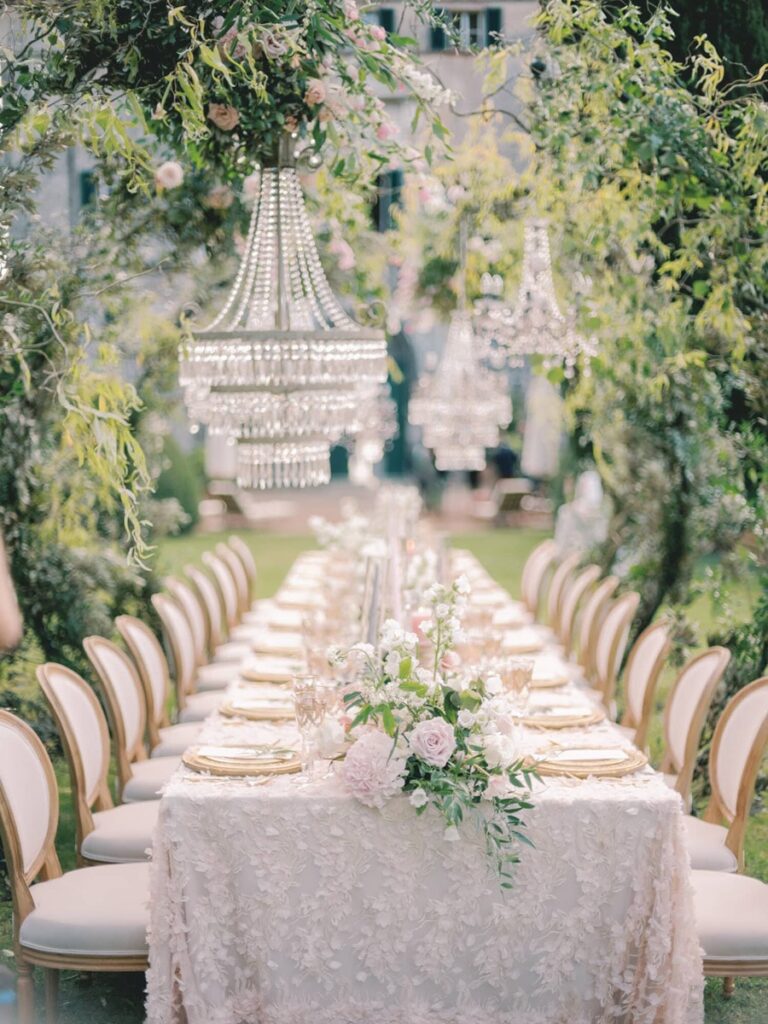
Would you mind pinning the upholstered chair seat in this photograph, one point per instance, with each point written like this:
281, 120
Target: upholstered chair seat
706, 846
148, 778
122, 834
99, 911
732, 920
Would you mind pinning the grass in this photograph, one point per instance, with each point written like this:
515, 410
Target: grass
118, 999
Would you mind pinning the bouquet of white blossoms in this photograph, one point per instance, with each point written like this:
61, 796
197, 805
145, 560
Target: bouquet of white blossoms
440, 734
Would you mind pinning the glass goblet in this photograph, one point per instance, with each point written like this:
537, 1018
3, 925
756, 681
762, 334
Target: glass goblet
310, 707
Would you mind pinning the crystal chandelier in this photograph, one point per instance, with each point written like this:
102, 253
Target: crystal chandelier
534, 325
462, 405
279, 371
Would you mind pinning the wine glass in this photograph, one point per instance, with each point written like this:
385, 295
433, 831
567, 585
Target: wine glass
516, 676
310, 708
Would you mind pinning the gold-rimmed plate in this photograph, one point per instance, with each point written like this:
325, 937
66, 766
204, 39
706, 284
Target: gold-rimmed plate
563, 716
242, 760
590, 762
258, 709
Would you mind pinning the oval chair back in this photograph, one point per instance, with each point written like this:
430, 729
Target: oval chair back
591, 620
738, 746
82, 727
248, 562
611, 644
179, 643
561, 578
225, 584
239, 576
152, 665
686, 712
125, 702
571, 603
29, 813
185, 595
641, 676
534, 575
216, 629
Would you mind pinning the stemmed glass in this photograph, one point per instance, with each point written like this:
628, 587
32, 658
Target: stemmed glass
310, 703
516, 675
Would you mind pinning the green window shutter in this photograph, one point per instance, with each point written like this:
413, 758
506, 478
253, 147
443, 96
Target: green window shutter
494, 23
387, 19
437, 32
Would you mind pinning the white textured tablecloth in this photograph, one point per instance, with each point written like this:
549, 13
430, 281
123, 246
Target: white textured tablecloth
291, 903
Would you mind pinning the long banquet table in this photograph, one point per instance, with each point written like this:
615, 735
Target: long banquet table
286, 901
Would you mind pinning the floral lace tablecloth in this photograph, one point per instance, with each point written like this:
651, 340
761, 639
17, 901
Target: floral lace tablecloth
288, 902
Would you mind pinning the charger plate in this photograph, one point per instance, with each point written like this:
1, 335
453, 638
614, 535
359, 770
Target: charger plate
270, 670
242, 761
285, 645
561, 718
590, 762
258, 709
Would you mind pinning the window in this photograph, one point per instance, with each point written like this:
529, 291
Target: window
384, 16
389, 187
468, 30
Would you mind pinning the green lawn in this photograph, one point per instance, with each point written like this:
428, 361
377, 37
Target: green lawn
118, 999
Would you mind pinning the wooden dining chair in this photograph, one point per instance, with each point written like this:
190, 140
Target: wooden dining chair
248, 562
208, 676
591, 620
562, 577
738, 746
572, 599
641, 676
685, 713
732, 924
611, 644
226, 586
239, 576
535, 571
148, 656
139, 777
89, 919
192, 706
104, 834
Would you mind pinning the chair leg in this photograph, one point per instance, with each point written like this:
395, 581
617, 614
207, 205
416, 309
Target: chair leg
25, 994
51, 995
729, 987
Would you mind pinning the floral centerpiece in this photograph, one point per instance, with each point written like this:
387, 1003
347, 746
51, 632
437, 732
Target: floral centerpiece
434, 731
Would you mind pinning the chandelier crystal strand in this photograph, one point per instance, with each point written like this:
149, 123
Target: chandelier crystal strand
279, 370
534, 325
462, 405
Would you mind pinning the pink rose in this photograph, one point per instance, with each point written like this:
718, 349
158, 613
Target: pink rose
169, 175
433, 740
223, 116
449, 661
373, 771
219, 198
419, 617
316, 92
387, 130
379, 33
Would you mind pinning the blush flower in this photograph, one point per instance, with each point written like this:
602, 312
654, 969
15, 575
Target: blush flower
225, 118
373, 771
433, 740
169, 175
316, 92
